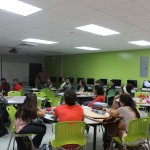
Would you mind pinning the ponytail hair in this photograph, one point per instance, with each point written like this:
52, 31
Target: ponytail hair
128, 101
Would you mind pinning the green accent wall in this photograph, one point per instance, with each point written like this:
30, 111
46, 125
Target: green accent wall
108, 65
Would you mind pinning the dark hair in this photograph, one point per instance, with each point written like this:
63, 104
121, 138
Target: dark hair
83, 82
70, 97
128, 101
15, 80
28, 110
99, 90
129, 87
113, 81
3, 79
99, 82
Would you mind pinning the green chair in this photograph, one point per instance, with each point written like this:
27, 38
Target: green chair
49, 94
69, 133
14, 93
56, 101
40, 94
12, 111
137, 129
22, 92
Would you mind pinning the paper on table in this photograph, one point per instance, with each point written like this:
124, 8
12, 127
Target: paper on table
91, 114
48, 116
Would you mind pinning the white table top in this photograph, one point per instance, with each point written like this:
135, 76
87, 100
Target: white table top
16, 100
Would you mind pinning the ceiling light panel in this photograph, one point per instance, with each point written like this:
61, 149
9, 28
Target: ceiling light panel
18, 7
140, 43
88, 48
39, 41
95, 29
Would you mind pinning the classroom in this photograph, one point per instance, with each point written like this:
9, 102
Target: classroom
75, 63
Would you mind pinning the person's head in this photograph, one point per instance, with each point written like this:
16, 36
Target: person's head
126, 100
49, 80
82, 83
98, 90
3, 80
68, 81
63, 80
112, 83
99, 82
70, 97
28, 110
15, 81
127, 89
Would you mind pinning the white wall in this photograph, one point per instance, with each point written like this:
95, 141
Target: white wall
18, 67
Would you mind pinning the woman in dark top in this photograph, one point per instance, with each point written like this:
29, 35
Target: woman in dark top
82, 86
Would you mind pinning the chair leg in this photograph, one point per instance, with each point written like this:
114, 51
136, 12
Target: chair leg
148, 143
110, 147
10, 141
14, 144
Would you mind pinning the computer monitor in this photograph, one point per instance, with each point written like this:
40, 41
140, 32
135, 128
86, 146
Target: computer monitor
60, 79
78, 80
90, 81
133, 82
104, 81
53, 79
146, 84
117, 82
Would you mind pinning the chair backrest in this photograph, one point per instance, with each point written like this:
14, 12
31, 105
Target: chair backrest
137, 129
49, 94
14, 93
70, 133
56, 101
11, 111
39, 103
40, 94
22, 92
141, 94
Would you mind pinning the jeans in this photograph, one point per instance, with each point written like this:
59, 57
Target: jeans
33, 128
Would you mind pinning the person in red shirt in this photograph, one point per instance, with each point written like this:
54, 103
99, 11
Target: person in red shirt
99, 93
16, 86
69, 111
5, 87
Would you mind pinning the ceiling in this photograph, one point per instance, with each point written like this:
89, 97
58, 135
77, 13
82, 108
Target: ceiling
58, 19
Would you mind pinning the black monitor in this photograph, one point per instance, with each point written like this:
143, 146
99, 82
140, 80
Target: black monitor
117, 82
133, 82
78, 80
90, 81
146, 84
104, 81
53, 79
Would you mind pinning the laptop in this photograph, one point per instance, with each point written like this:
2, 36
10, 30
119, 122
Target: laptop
2, 99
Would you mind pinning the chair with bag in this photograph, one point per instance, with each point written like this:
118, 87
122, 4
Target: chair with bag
138, 133
69, 135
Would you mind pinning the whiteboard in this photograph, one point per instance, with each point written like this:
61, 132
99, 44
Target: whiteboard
12, 71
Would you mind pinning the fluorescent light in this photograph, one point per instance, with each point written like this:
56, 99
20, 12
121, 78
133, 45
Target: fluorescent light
18, 7
88, 48
141, 43
39, 41
92, 28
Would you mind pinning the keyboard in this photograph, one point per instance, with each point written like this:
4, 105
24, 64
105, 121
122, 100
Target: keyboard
146, 89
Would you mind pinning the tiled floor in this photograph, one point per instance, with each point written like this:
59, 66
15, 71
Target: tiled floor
4, 140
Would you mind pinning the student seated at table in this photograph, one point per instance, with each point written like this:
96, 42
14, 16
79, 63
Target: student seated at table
67, 85
82, 86
99, 93
16, 86
99, 82
49, 83
5, 87
128, 111
124, 90
24, 125
70, 111
63, 80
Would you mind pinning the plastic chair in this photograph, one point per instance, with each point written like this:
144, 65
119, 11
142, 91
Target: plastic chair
68, 133
14, 93
56, 101
22, 92
137, 129
12, 111
49, 94
40, 94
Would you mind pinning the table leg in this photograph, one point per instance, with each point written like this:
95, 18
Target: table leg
94, 137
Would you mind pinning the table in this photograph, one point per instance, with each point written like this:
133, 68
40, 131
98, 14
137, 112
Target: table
32, 89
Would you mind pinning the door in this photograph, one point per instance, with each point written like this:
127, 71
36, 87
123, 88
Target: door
34, 69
